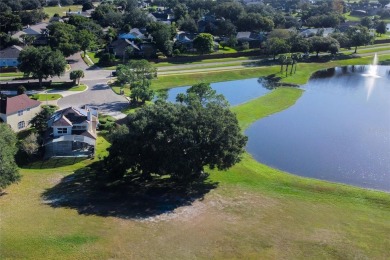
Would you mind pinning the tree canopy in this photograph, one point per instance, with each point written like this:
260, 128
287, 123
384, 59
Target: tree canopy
324, 44
178, 140
204, 43
9, 172
76, 75
135, 71
277, 46
41, 62
39, 121
359, 35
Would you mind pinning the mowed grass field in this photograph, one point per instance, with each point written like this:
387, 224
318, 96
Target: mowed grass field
254, 212
302, 75
52, 10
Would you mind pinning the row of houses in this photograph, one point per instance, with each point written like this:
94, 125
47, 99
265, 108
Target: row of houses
71, 131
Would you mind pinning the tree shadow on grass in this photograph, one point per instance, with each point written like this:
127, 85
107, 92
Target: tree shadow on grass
53, 162
132, 198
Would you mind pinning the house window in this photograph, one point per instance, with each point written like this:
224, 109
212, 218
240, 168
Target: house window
62, 130
20, 112
21, 124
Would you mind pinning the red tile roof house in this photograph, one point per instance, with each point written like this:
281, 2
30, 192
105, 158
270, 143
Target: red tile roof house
72, 133
18, 111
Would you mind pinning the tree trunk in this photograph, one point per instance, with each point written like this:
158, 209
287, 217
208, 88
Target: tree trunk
295, 71
355, 49
281, 68
317, 53
40, 82
78, 82
292, 66
286, 69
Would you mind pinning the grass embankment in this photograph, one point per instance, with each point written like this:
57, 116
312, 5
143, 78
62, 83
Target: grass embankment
11, 74
80, 87
256, 212
46, 97
302, 75
167, 64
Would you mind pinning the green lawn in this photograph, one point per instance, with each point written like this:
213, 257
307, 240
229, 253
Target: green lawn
11, 74
92, 56
46, 97
304, 71
80, 87
242, 59
256, 212
51, 10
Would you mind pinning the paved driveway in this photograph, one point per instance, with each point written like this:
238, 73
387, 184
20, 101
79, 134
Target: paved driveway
98, 95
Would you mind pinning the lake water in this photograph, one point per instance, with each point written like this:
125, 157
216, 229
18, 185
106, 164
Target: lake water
236, 92
339, 130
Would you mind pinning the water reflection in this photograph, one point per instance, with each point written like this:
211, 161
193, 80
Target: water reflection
236, 92
333, 132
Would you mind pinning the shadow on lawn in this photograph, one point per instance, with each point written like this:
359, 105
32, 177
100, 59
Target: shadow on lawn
132, 198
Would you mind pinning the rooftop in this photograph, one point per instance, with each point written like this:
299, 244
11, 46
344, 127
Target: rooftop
11, 105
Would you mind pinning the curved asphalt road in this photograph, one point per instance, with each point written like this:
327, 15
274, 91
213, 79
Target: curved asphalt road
98, 94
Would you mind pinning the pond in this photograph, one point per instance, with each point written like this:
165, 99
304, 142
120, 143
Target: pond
339, 130
236, 92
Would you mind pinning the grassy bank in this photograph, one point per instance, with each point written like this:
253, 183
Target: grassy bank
80, 87
304, 71
255, 212
46, 97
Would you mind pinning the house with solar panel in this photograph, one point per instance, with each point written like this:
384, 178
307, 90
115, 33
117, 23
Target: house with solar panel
72, 132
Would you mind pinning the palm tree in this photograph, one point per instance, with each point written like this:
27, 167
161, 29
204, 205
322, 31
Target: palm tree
289, 61
76, 75
282, 60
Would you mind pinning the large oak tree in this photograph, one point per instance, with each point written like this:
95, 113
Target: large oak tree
178, 139
41, 62
9, 172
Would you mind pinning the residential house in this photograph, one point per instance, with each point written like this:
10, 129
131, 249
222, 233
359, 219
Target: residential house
343, 27
388, 27
207, 24
134, 34
253, 39
359, 12
18, 111
316, 31
38, 31
86, 14
143, 49
72, 132
9, 56
119, 47
184, 40
162, 17
387, 6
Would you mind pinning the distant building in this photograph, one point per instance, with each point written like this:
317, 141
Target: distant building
72, 132
388, 27
184, 40
135, 33
143, 50
38, 31
9, 56
18, 111
80, 13
253, 39
316, 31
